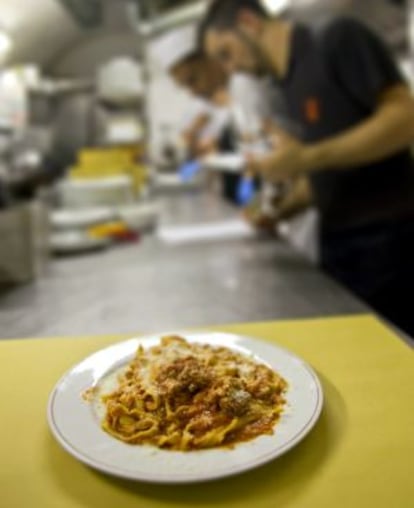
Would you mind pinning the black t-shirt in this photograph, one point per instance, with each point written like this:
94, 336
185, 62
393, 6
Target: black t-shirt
336, 76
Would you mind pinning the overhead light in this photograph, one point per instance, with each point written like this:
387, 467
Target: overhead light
5, 44
276, 7
9, 80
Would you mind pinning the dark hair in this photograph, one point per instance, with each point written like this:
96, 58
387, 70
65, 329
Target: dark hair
222, 15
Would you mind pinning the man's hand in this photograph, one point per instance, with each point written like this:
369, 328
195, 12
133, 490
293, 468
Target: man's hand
389, 130
296, 197
289, 159
254, 215
205, 147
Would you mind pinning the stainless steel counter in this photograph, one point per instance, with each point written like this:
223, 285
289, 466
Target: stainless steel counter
153, 287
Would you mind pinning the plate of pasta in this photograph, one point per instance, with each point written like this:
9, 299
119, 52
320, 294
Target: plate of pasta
185, 407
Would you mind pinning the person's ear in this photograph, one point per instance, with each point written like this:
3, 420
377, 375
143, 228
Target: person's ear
249, 21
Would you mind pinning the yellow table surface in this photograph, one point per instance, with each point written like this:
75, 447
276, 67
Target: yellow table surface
361, 453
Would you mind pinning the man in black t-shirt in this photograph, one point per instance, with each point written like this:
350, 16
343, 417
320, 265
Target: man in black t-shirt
356, 116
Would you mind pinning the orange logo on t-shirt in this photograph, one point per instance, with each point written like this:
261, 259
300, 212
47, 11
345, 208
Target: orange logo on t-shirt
312, 110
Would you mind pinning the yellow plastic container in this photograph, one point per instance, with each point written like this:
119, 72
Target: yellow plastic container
97, 163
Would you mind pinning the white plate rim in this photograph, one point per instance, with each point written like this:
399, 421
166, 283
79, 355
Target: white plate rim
159, 479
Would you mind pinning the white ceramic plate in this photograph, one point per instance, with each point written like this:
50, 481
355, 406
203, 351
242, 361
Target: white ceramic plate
72, 242
232, 163
80, 219
76, 424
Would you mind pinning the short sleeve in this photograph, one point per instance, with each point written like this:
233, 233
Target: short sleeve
220, 120
359, 61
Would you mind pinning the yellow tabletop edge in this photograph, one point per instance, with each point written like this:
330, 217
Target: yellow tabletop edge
362, 317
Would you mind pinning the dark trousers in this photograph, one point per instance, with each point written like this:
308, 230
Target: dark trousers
376, 262
230, 185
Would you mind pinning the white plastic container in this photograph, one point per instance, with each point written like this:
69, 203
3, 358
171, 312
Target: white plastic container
66, 220
120, 81
91, 193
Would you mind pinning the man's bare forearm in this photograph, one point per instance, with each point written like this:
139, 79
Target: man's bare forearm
389, 130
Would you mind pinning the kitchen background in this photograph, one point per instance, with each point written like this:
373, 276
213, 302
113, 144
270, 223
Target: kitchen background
83, 97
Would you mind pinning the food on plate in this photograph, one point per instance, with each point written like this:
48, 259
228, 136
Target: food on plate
190, 396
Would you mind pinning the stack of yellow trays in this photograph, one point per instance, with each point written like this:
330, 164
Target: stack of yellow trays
98, 163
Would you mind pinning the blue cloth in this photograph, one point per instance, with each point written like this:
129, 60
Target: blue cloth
246, 191
189, 169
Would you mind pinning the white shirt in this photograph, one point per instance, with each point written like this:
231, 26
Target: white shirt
219, 118
254, 101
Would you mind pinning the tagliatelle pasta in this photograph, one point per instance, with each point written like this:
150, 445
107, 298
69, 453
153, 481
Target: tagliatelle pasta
191, 396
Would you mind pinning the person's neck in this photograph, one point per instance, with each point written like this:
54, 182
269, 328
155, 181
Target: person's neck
276, 44
221, 98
